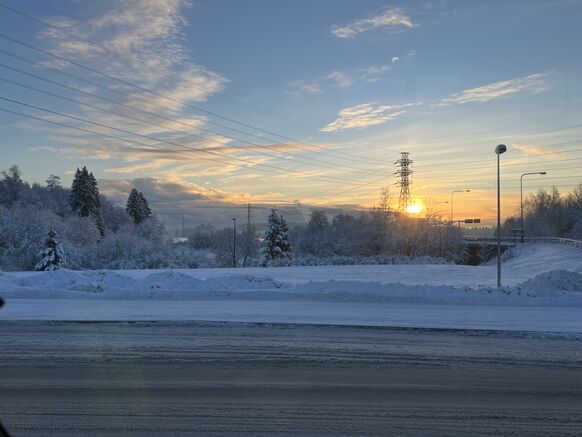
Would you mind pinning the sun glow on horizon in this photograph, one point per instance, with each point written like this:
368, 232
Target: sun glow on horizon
415, 208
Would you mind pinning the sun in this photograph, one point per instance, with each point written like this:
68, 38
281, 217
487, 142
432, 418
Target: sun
415, 208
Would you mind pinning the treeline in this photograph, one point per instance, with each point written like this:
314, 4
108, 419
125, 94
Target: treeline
94, 232
549, 214
377, 236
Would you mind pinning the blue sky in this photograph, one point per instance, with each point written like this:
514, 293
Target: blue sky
295, 101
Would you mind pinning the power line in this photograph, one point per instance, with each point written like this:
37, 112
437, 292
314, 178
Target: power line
153, 92
181, 122
255, 147
148, 137
246, 133
161, 69
150, 67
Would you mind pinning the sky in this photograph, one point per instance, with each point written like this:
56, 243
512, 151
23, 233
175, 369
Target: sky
207, 105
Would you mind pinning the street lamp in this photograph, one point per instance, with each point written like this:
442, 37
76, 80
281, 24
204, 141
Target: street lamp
501, 148
453, 192
521, 197
234, 244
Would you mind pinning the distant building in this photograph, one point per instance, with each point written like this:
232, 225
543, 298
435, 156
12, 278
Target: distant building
179, 240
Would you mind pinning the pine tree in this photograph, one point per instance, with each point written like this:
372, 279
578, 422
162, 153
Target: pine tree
277, 250
53, 256
137, 206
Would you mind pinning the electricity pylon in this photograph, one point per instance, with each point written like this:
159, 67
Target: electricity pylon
404, 174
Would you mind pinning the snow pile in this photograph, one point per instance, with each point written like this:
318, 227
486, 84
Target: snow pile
555, 280
179, 285
59, 279
166, 280
183, 284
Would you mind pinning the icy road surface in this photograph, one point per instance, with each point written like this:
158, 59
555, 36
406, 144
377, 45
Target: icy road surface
120, 379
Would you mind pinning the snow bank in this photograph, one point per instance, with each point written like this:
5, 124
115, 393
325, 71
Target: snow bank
537, 275
555, 280
552, 288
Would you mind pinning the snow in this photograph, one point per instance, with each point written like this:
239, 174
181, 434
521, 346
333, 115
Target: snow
543, 291
555, 280
564, 320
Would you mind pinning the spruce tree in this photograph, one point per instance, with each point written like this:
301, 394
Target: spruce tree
284, 242
85, 198
53, 256
146, 211
137, 206
277, 250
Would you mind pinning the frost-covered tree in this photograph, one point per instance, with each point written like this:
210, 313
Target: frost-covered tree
53, 183
12, 187
277, 250
137, 206
52, 257
315, 240
85, 198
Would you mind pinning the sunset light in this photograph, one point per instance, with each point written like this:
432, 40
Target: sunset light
415, 208
294, 217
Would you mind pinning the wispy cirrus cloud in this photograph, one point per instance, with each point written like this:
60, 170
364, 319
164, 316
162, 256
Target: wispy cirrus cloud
533, 84
388, 19
532, 149
303, 86
340, 79
365, 115
374, 73
139, 42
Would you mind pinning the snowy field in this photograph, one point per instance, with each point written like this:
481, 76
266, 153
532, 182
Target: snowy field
542, 292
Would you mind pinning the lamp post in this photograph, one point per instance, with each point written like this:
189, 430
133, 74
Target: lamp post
521, 197
234, 243
501, 148
452, 198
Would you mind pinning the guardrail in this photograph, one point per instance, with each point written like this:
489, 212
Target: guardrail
515, 240
553, 240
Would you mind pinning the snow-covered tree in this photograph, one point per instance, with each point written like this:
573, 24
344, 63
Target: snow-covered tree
53, 183
85, 198
53, 256
277, 250
137, 206
12, 187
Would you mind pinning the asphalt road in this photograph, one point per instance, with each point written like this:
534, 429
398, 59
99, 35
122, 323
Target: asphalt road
185, 379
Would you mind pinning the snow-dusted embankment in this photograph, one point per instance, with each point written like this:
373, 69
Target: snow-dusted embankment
544, 290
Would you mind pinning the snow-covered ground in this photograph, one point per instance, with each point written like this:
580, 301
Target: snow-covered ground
543, 291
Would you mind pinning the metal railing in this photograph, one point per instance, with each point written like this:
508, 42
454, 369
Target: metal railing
515, 240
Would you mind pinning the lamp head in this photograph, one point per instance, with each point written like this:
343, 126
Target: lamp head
501, 148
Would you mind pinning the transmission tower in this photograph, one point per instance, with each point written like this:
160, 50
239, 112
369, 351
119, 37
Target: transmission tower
404, 173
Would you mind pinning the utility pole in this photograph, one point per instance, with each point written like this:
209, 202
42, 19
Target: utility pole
501, 148
234, 243
249, 236
183, 225
404, 172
